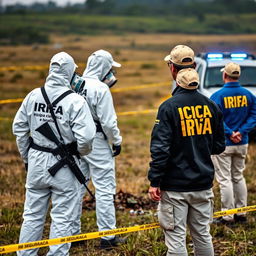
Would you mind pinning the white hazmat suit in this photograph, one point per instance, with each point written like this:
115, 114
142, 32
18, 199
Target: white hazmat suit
100, 161
76, 124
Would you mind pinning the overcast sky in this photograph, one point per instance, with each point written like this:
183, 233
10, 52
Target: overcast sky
59, 2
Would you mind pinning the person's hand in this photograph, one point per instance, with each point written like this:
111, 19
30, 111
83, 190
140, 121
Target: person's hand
236, 137
116, 150
154, 193
26, 166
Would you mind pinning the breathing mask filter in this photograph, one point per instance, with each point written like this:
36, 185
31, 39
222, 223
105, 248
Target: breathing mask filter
110, 78
77, 83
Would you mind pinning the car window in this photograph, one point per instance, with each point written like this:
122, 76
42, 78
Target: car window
213, 77
199, 69
248, 76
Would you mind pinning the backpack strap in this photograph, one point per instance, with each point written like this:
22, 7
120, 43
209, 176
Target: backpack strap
63, 95
50, 106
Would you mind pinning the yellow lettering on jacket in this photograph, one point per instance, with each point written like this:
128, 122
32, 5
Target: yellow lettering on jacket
207, 112
190, 127
207, 126
199, 125
185, 111
244, 102
195, 120
183, 128
238, 101
198, 108
181, 114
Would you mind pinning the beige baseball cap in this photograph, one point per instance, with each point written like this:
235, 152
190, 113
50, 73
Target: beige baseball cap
181, 55
232, 69
188, 78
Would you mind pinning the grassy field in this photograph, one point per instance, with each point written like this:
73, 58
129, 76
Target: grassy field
142, 58
31, 27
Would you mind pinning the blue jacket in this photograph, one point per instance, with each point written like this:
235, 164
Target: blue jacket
239, 109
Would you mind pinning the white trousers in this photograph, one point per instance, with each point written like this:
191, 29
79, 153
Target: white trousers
176, 210
82, 190
41, 188
102, 172
229, 167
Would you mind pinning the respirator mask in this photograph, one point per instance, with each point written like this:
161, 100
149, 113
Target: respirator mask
110, 78
77, 83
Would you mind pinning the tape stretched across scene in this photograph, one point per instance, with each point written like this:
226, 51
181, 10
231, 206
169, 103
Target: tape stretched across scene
127, 113
69, 239
234, 211
11, 101
124, 89
93, 235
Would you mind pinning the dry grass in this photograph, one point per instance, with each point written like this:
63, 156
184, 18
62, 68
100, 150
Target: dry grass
141, 56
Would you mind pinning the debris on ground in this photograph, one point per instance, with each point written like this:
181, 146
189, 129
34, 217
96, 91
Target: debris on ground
123, 201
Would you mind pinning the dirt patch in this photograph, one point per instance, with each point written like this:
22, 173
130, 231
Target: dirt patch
125, 201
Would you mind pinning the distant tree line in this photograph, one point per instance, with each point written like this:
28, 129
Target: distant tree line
143, 7
21, 24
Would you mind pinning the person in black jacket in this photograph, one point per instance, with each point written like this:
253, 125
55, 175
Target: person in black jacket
187, 131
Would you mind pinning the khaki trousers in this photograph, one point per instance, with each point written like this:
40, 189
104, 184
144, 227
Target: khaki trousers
229, 167
176, 210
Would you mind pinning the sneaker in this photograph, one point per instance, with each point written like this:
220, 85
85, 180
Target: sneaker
220, 220
110, 244
240, 218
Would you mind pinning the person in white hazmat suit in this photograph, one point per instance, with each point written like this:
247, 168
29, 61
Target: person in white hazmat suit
99, 77
75, 124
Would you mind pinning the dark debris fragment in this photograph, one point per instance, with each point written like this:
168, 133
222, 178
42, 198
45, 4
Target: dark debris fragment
125, 201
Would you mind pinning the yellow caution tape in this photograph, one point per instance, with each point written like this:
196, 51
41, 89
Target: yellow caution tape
165, 98
129, 113
5, 119
68, 239
234, 211
138, 87
93, 235
130, 88
29, 67
11, 101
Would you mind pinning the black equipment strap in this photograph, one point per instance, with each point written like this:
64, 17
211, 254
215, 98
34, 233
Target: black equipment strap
56, 151
63, 95
99, 129
50, 106
44, 149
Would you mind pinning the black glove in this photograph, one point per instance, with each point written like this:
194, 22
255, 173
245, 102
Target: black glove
116, 150
26, 166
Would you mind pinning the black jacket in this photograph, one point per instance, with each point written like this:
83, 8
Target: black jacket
188, 130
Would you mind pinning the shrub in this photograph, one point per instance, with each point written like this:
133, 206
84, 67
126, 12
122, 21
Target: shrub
148, 66
16, 77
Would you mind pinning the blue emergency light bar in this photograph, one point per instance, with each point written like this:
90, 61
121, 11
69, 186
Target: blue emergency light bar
226, 55
214, 56
238, 56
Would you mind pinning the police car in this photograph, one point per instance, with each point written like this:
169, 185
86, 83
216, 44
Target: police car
209, 65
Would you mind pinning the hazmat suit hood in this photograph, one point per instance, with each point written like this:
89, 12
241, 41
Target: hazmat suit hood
99, 64
61, 70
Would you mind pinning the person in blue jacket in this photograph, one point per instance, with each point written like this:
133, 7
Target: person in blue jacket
239, 110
